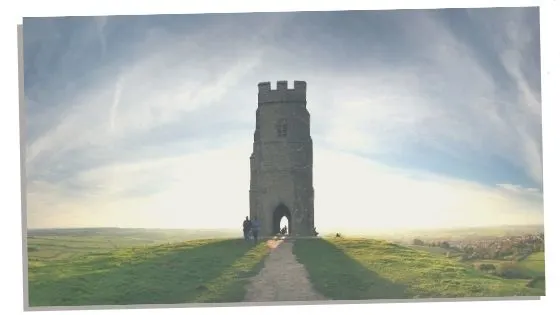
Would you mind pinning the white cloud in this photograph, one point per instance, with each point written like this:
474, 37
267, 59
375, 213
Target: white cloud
141, 94
210, 189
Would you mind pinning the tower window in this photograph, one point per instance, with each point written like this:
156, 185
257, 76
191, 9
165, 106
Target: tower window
282, 128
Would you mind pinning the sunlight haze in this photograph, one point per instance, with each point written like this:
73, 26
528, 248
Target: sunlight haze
420, 119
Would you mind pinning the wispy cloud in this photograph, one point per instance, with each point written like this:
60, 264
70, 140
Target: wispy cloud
137, 117
206, 189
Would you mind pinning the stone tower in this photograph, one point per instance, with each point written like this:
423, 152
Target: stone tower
282, 160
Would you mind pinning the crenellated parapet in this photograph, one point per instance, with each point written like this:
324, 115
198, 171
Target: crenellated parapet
282, 94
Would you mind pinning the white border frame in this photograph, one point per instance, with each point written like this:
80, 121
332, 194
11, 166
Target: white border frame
10, 195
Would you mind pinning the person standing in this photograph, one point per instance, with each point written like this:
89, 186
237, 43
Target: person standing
255, 228
246, 228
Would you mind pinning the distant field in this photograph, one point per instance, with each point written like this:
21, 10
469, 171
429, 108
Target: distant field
352, 269
530, 267
66, 243
534, 263
456, 233
480, 232
435, 250
449, 234
107, 270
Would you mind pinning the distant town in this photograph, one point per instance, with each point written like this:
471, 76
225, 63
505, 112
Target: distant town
495, 248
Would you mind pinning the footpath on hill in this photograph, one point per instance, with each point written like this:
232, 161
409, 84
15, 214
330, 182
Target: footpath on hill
282, 278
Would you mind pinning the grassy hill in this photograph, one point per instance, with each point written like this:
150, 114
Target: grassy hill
534, 263
435, 250
123, 266
533, 266
66, 271
528, 268
354, 269
52, 244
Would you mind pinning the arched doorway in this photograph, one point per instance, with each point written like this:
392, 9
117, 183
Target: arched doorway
281, 212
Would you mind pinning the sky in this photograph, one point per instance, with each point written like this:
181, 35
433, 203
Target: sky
420, 118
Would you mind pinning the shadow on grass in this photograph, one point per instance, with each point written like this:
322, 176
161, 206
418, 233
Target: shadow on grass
203, 271
340, 277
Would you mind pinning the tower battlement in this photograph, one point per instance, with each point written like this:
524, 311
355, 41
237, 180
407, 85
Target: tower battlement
282, 94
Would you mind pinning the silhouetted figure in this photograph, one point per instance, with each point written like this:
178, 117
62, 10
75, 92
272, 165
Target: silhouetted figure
246, 228
284, 230
337, 235
315, 231
255, 228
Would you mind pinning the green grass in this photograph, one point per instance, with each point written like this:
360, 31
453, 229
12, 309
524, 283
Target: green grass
435, 250
530, 267
534, 263
138, 267
356, 269
68, 271
533, 266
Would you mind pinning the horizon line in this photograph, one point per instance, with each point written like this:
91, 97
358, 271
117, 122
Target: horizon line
234, 229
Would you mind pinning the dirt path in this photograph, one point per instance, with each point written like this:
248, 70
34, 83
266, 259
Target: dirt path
282, 278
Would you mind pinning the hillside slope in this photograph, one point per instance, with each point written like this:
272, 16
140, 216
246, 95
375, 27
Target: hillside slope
356, 269
191, 271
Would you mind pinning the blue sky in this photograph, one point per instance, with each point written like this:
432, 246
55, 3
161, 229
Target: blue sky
146, 121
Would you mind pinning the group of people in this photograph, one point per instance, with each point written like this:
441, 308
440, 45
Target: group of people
251, 229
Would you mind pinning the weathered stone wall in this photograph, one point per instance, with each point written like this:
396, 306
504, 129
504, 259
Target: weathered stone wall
282, 166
